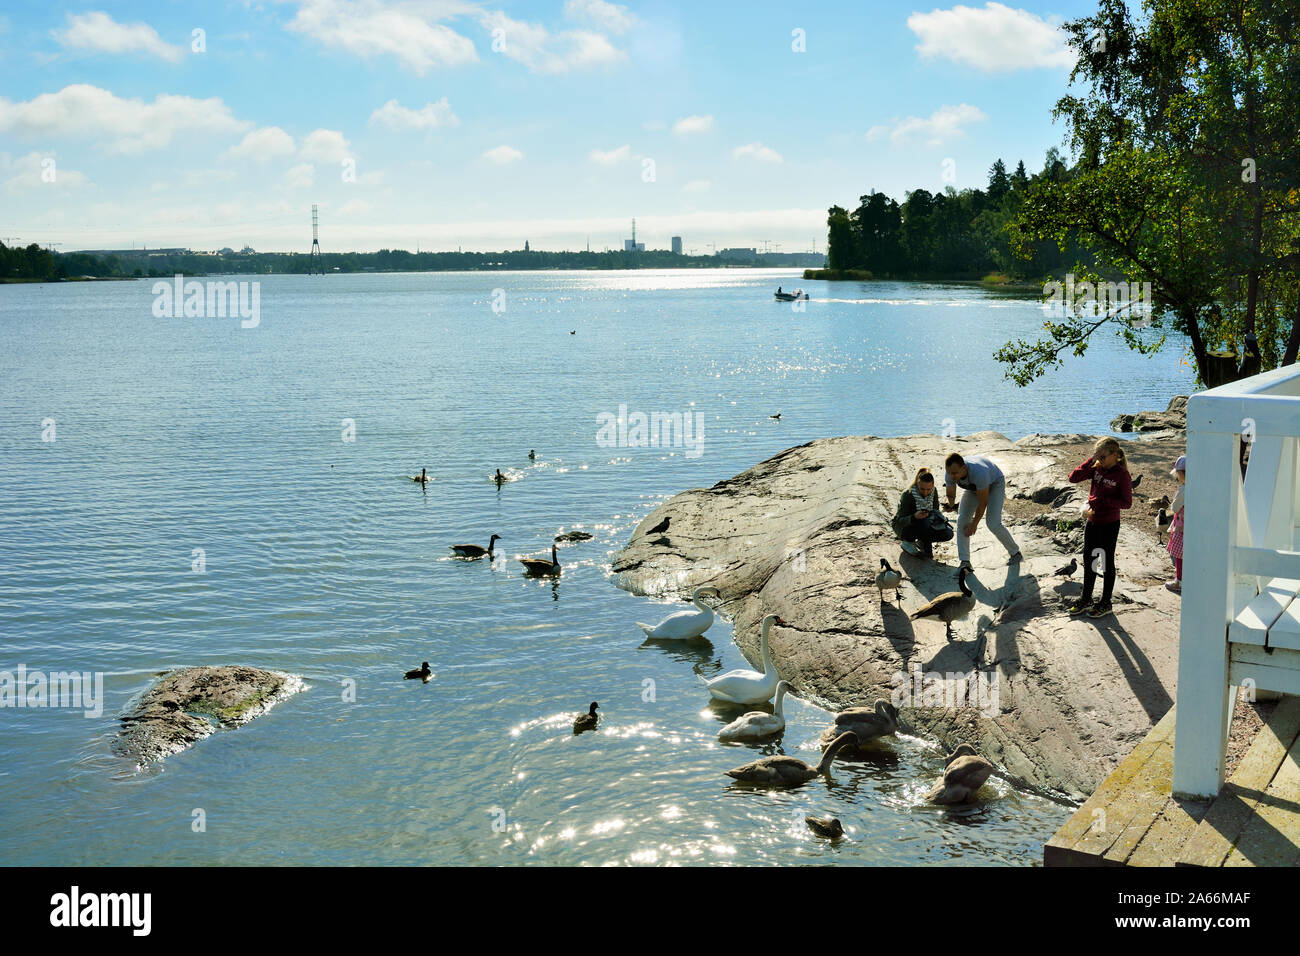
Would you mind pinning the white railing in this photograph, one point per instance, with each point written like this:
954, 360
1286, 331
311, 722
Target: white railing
1241, 565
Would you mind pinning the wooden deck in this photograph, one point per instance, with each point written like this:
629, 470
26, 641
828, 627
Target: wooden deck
1133, 820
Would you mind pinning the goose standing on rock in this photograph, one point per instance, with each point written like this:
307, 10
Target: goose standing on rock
952, 606
538, 566
1163, 521
783, 771
421, 673
888, 580
867, 723
474, 551
758, 724
746, 686
586, 721
684, 625
965, 774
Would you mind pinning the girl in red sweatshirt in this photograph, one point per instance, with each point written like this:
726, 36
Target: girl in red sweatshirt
1112, 492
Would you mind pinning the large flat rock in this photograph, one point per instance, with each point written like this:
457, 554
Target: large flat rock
802, 534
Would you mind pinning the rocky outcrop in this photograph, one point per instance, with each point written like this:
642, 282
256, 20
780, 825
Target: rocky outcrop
189, 704
802, 534
1173, 417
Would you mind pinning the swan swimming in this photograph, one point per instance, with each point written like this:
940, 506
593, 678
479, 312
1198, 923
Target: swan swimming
746, 686
758, 724
783, 771
684, 625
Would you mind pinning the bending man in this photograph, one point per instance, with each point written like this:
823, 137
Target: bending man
985, 489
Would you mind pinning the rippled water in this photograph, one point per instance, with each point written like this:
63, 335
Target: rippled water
322, 559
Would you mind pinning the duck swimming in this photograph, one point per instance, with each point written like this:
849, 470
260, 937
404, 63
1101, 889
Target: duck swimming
586, 721
965, 774
828, 827
684, 625
758, 724
421, 673
539, 566
746, 686
474, 551
783, 771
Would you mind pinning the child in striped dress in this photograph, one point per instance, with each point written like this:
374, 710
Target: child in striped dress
1175, 545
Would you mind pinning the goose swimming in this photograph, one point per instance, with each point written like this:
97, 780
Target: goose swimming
783, 771
684, 625
421, 673
421, 479
758, 724
541, 565
474, 551
965, 774
888, 580
532, 455
867, 723
586, 721
499, 478
952, 606
746, 686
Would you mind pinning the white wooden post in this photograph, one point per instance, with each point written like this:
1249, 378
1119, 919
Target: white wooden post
1212, 512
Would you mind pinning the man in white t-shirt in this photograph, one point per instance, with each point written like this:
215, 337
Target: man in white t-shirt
985, 490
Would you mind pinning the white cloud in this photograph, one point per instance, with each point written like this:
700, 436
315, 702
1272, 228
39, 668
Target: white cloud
944, 124
994, 39
38, 171
757, 151
100, 33
693, 124
501, 155
429, 116
326, 146
611, 157
368, 28
262, 144
544, 52
606, 16
301, 176
130, 125
697, 186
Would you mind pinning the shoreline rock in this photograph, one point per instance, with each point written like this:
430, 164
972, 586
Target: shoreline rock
189, 704
801, 535
1172, 418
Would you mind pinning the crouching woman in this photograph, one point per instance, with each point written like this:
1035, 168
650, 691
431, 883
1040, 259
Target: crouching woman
918, 522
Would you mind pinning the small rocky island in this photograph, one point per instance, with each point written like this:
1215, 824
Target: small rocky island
189, 704
802, 534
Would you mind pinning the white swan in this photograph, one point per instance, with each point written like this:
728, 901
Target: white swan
684, 625
758, 724
746, 686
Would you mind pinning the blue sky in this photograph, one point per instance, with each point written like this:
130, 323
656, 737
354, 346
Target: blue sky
443, 123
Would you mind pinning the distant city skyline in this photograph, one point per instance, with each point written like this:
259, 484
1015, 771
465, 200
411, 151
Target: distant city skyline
444, 124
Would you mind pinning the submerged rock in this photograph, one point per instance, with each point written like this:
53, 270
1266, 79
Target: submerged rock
189, 704
1173, 417
574, 536
1056, 701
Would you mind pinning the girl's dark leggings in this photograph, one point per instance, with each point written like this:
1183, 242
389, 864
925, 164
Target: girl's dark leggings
1099, 542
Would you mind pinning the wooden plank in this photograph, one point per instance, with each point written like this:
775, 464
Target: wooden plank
1252, 624
1272, 836
1231, 812
1112, 787
1169, 833
1285, 633
1152, 791
1265, 675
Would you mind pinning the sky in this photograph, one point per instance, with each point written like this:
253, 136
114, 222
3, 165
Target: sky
445, 124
